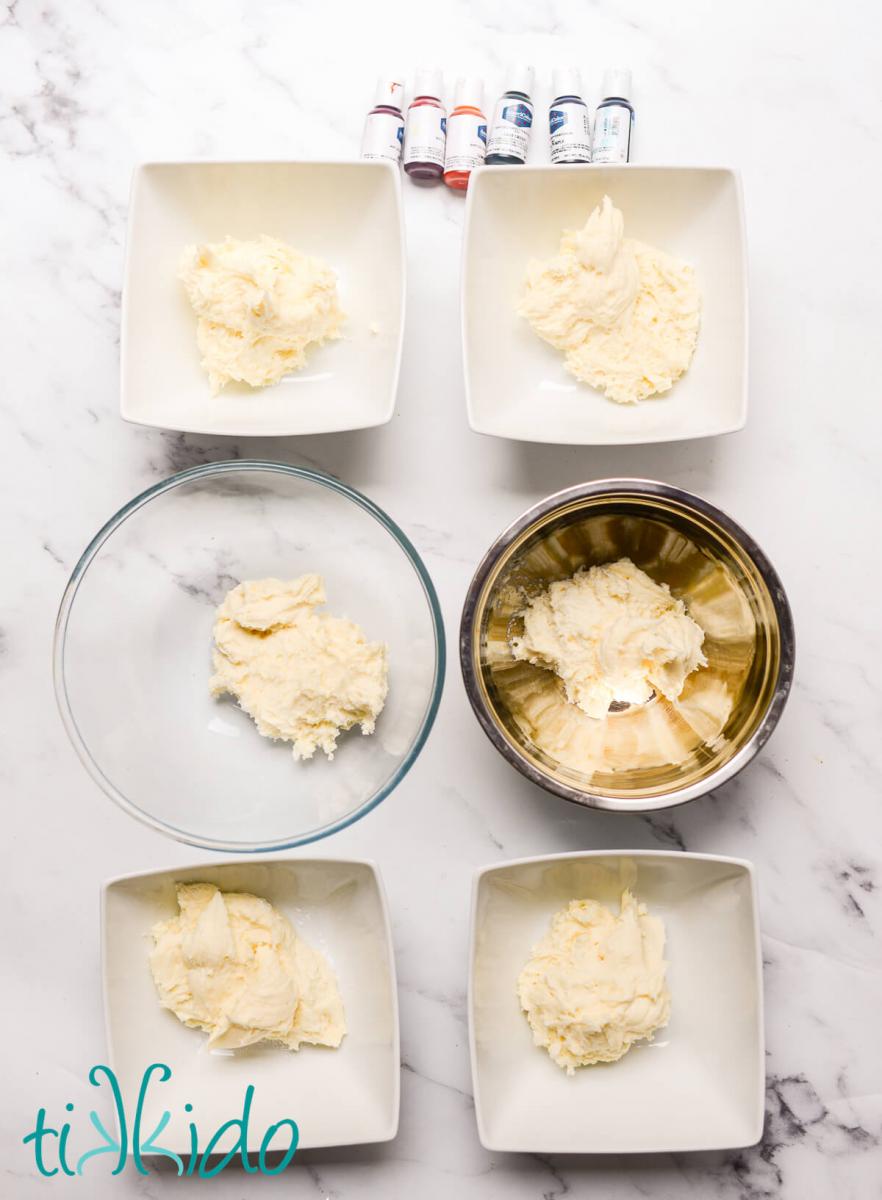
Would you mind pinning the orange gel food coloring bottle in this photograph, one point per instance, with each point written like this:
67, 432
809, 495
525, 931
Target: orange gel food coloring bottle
466, 134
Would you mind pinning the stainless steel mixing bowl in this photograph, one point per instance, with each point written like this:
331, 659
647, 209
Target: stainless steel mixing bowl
661, 753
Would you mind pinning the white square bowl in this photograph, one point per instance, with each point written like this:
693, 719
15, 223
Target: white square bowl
698, 1086
516, 384
347, 213
337, 1097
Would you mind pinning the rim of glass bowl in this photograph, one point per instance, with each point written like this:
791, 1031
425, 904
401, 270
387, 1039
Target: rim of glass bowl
651, 489
227, 467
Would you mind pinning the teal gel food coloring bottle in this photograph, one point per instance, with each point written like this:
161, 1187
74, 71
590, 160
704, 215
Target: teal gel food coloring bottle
512, 121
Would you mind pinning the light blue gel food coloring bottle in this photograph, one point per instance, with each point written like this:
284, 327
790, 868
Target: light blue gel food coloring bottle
569, 128
615, 119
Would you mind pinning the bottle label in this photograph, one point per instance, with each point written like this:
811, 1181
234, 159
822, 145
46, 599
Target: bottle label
383, 136
570, 132
612, 134
425, 135
510, 133
466, 142
518, 114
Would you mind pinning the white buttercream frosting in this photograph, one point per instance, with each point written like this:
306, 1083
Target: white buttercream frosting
232, 965
612, 634
302, 675
260, 304
595, 984
625, 314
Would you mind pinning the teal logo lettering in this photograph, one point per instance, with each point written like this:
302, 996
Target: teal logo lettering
54, 1155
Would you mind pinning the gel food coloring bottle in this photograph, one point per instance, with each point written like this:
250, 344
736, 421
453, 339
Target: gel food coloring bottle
512, 120
426, 132
569, 127
466, 134
615, 119
384, 126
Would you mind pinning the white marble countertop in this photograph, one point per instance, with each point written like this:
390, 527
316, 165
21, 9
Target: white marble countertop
778, 90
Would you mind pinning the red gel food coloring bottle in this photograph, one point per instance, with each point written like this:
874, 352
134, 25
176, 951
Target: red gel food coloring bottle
426, 132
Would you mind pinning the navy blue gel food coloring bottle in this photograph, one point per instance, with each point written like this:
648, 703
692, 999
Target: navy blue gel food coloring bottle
569, 128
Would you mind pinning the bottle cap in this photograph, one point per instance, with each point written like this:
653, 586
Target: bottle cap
469, 92
565, 81
389, 92
428, 81
617, 82
519, 79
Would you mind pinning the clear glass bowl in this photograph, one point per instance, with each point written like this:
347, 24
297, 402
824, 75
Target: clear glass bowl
132, 654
